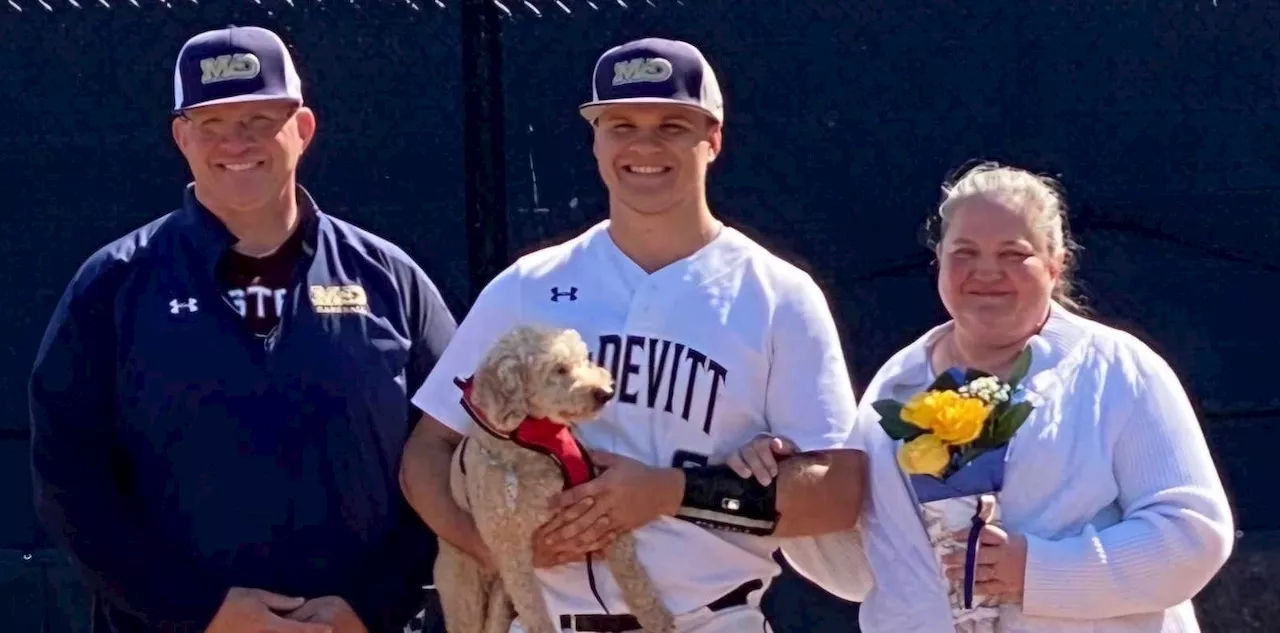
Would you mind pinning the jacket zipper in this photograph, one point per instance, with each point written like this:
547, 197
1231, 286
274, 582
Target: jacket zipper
292, 299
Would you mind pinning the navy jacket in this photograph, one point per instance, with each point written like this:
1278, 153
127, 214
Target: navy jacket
175, 455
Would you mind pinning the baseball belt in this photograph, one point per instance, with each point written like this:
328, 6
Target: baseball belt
626, 623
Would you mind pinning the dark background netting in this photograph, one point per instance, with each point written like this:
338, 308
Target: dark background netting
1162, 120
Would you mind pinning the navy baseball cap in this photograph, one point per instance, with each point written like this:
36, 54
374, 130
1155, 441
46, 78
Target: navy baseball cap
232, 65
654, 70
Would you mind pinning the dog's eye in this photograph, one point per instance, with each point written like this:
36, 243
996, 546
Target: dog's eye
562, 369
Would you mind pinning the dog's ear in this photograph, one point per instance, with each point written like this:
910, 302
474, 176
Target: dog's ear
499, 391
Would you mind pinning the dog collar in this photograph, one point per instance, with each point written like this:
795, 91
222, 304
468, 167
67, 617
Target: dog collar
476, 414
537, 434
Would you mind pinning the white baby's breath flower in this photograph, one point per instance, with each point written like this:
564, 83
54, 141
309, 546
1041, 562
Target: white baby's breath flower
987, 389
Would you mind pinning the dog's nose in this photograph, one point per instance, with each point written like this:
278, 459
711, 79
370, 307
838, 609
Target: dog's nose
603, 395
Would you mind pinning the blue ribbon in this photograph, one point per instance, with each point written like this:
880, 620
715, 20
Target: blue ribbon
971, 556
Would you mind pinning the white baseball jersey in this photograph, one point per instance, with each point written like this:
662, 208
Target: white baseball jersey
706, 353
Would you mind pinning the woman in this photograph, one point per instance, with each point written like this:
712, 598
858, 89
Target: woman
1114, 516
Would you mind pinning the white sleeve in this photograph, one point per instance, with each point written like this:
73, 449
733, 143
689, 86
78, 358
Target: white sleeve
837, 562
1177, 529
495, 311
809, 398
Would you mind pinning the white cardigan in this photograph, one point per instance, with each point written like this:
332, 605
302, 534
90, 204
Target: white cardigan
1110, 480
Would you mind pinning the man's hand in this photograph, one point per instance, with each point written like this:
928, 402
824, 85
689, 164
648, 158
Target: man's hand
546, 554
332, 611
627, 495
255, 611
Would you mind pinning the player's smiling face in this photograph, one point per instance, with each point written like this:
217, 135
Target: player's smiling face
242, 154
654, 157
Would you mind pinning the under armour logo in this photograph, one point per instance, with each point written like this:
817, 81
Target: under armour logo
572, 293
176, 306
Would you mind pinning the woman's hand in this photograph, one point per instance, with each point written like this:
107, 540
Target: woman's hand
1000, 569
759, 457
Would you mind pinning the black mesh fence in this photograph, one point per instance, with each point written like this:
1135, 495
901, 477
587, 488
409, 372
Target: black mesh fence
453, 131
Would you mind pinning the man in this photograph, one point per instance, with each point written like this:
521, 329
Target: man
221, 399
712, 342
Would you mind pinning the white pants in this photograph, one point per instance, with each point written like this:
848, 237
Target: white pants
747, 618
744, 619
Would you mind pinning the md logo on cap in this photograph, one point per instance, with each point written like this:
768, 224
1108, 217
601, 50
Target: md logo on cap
228, 67
641, 70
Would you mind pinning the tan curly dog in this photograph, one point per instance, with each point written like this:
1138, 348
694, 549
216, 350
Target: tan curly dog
530, 389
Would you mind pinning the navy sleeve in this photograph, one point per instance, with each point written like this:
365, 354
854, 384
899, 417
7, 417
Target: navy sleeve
392, 591
435, 329
79, 472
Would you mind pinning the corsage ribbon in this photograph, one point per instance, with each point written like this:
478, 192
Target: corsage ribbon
971, 551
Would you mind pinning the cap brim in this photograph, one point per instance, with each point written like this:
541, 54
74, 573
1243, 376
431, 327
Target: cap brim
592, 109
239, 99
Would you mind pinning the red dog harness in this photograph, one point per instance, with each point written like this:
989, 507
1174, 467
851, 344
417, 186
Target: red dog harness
539, 435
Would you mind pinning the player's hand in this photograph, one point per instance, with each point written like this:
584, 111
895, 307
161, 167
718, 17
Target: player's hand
1000, 567
627, 495
330, 610
572, 551
256, 611
760, 456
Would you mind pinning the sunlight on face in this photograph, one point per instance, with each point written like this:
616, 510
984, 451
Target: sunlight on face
243, 155
996, 275
654, 157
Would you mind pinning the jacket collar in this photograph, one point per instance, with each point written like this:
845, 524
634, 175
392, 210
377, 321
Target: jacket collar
211, 238
1061, 333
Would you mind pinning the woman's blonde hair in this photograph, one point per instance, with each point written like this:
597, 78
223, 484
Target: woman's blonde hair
1038, 197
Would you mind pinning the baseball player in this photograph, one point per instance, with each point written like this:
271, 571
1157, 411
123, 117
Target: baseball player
712, 341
